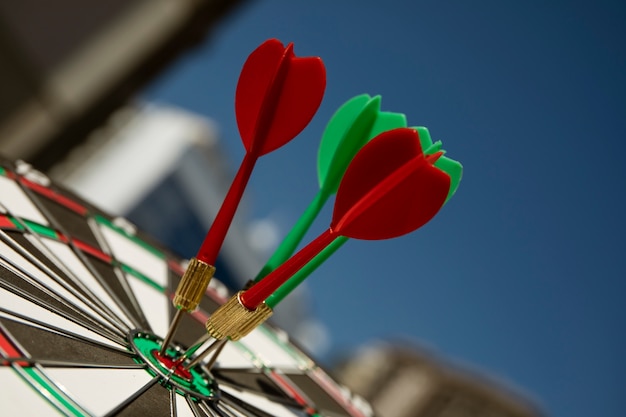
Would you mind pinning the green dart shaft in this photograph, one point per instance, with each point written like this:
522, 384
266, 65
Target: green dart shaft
353, 124
297, 279
289, 244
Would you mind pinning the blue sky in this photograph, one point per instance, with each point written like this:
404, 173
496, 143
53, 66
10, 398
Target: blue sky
522, 273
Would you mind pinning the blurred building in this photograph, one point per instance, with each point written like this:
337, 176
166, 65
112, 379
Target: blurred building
401, 381
66, 65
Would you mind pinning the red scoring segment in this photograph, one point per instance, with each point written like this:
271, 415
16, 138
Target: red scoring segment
277, 96
52, 195
169, 363
9, 350
391, 188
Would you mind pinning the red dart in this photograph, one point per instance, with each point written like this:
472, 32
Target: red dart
390, 188
277, 96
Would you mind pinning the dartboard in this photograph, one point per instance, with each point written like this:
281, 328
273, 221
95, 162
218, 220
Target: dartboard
85, 300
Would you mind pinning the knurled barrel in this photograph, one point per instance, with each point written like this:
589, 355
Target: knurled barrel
234, 320
193, 285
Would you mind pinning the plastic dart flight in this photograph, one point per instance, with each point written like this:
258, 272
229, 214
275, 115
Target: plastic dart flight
391, 188
451, 167
277, 96
356, 122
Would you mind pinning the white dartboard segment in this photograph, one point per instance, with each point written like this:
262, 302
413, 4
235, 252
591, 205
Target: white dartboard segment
153, 303
136, 256
22, 307
67, 256
99, 390
17, 203
19, 398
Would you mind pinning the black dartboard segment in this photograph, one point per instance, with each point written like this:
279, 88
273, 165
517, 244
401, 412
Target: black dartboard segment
82, 293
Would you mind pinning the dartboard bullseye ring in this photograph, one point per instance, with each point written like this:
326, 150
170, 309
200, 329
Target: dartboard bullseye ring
85, 301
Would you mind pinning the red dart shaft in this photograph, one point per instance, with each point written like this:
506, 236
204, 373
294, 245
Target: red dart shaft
215, 237
264, 288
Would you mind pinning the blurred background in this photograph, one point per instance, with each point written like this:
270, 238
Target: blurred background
508, 303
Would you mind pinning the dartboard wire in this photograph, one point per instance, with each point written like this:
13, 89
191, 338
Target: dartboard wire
42, 325
33, 372
338, 393
101, 327
209, 410
259, 361
241, 406
133, 397
282, 339
173, 403
285, 384
140, 318
34, 300
223, 408
128, 315
58, 226
36, 241
192, 406
85, 295
121, 305
290, 392
37, 379
40, 383
67, 364
8, 335
104, 245
58, 280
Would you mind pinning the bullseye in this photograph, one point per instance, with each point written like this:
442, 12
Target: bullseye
197, 381
171, 364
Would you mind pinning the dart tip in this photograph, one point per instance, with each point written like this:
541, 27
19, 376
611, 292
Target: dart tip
234, 321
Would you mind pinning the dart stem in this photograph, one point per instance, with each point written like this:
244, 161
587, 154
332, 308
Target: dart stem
299, 277
171, 331
253, 297
217, 344
289, 244
193, 348
216, 354
215, 237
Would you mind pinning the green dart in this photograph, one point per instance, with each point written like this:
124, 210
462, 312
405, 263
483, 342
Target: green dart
451, 167
356, 122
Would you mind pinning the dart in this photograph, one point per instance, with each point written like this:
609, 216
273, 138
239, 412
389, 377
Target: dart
356, 122
276, 97
451, 167
391, 188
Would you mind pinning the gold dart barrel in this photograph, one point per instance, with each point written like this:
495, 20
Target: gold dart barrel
234, 321
193, 285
